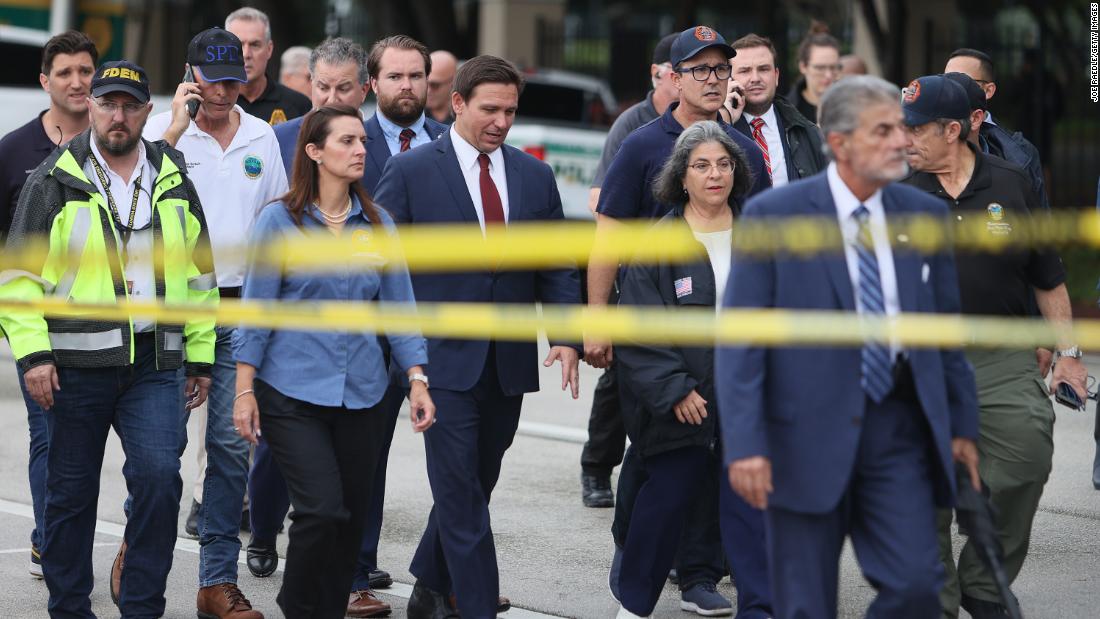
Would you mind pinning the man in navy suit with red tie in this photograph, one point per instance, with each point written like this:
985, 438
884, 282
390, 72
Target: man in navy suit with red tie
850, 441
469, 176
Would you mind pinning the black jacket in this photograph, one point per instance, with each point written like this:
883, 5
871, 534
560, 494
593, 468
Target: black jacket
801, 140
655, 377
1014, 148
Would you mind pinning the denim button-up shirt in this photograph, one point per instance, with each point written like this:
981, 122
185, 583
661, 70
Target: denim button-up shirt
332, 367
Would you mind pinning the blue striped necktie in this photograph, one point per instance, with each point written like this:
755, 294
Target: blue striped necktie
877, 370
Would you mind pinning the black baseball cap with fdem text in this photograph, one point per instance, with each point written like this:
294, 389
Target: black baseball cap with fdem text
216, 53
121, 76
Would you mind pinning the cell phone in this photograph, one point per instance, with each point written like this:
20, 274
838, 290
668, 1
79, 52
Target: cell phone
192, 105
1066, 396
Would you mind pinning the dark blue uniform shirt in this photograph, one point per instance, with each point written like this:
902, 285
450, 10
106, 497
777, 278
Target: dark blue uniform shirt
627, 191
20, 153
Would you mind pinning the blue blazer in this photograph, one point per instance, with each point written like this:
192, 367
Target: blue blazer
425, 186
801, 406
377, 150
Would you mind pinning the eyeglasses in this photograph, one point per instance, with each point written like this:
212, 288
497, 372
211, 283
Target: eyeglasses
826, 68
129, 109
725, 166
702, 72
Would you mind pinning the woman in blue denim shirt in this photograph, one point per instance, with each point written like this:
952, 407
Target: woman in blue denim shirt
316, 393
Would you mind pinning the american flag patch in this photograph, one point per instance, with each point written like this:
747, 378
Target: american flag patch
683, 287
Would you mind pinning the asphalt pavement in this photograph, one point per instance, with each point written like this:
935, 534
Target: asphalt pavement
553, 552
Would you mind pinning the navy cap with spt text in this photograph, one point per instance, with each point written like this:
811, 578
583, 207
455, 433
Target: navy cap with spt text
121, 76
216, 52
932, 97
694, 40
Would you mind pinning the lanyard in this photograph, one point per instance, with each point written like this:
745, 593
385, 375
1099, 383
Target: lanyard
128, 228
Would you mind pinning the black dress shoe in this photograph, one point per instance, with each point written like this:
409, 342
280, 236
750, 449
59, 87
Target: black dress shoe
427, 604
380, 579
596, 491
982, 609
262, 559
191, 527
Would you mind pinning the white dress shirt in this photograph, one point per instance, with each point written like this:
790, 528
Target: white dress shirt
140, 280
471, 172
775, 145
846, 203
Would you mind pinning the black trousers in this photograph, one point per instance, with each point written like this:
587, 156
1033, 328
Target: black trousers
699, 556
606, 435
328, 457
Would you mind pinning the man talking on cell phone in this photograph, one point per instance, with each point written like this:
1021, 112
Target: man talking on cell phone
234, 160
1016, 417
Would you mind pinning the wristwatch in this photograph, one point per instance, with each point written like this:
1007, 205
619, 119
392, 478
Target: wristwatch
420, 377
1073, 352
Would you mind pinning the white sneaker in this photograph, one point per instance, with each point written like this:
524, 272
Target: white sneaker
35, 567
626, 614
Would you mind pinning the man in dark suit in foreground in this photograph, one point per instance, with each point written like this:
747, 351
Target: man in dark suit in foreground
856, 441
469, 176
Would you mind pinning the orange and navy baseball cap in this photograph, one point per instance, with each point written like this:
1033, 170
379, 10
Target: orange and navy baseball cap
121, 76
932, 97
694, 40
216, 52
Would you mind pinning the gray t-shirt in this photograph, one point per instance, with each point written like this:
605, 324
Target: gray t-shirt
635, 116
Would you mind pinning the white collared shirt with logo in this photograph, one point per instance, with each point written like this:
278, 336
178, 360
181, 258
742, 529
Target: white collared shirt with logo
233, 184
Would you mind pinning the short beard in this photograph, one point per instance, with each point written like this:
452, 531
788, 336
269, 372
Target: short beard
116, 148
757, 110
392, 110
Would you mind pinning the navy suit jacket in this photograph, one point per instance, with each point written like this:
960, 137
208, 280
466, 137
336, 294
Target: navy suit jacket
378, 152
802, 406
425, 186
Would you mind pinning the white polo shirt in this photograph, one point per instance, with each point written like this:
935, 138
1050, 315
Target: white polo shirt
233, 185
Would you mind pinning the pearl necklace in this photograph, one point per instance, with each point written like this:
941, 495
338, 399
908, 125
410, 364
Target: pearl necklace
338, 218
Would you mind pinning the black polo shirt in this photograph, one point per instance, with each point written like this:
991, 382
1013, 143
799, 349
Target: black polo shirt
1000, 194
276, 104
21, 151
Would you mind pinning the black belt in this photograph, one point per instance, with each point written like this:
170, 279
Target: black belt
230, 293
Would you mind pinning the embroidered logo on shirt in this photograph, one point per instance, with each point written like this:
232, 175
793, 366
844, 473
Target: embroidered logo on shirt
253, 166
995, 225
683, 287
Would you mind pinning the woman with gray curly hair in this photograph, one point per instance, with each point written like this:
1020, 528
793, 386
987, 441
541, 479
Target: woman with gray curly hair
671, 419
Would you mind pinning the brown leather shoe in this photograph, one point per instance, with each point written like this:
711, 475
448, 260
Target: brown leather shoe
364, 603
116, 572
225, 601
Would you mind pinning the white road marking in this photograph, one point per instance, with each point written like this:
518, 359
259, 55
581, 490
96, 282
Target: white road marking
398, 589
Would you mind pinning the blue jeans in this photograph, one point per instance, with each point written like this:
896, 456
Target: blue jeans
226, 474
36, 463
143, 405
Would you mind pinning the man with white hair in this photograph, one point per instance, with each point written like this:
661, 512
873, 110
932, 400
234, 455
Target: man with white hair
261, 97
294, 69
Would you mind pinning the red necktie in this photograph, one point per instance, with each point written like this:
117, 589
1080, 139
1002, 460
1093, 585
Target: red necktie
406, 137
758, 135
490, 198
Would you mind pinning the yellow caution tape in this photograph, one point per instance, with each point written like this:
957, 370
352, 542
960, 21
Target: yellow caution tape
652, 325
529, 245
